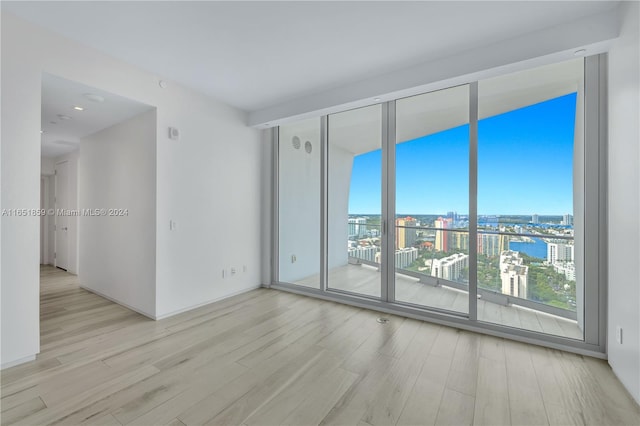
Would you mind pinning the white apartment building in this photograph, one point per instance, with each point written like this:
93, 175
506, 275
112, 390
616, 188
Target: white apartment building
513, 274
450, 267
560, 252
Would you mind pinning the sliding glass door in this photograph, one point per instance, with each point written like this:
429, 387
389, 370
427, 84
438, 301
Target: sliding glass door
530, 156
299, 207
475, 204
431, 224
354, 207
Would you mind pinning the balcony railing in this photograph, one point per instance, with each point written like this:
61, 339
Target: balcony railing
484, 293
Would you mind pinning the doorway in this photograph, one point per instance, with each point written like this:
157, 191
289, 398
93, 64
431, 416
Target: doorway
78, 118
62, 205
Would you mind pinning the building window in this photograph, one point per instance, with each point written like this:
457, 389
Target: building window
469, 201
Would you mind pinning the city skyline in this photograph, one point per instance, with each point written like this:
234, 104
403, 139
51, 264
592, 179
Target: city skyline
524, 167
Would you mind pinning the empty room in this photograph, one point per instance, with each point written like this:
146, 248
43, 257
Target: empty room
320, 212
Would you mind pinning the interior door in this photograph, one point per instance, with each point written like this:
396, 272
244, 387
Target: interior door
61, 254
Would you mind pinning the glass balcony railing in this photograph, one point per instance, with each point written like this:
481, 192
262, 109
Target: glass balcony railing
535, 270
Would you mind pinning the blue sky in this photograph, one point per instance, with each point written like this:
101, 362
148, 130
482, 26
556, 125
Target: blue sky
525, 166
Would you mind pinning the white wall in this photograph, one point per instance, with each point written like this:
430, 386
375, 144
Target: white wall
47, 166
209, 184
117, 253
20, 189
624, 202
208, 181
340, 167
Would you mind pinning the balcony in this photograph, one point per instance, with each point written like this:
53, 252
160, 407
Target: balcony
364, 279
423, 287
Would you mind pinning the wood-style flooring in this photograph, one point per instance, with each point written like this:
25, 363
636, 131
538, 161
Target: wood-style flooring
270, 358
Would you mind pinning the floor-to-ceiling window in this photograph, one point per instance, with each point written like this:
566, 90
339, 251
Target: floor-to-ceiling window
475, 204
299, 208
355, 201
431, 226
527, 141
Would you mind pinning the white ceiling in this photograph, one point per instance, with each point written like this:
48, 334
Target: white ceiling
255, 55
59, 96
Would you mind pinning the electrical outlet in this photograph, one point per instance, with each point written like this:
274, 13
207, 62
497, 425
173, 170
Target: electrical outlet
293, 258
619, 334
224, 273
233, 271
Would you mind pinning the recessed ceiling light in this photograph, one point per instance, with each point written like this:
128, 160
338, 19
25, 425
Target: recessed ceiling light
64, 117
580, 52
93, 97
41, 131
376, 99
162, 84
78, 108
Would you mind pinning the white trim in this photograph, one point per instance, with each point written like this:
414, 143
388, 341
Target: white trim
18, 362
199, 305
90, 290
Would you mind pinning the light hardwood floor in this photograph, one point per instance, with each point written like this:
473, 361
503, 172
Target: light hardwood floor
268, 358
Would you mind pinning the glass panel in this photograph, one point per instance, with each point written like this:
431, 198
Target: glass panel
528, 264
355, 175
299, 203
432, 200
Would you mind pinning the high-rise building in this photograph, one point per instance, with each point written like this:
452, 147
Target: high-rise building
492, 244
405, 235
442, 236
453, 216
559, 251
567, 220
406, 256
459, 240
513, 274
566, 268
364, 252
357, 226
535, 218
450, 267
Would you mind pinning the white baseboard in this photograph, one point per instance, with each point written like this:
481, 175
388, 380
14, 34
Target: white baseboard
176, 312
17, 362
199, 305
141, 312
